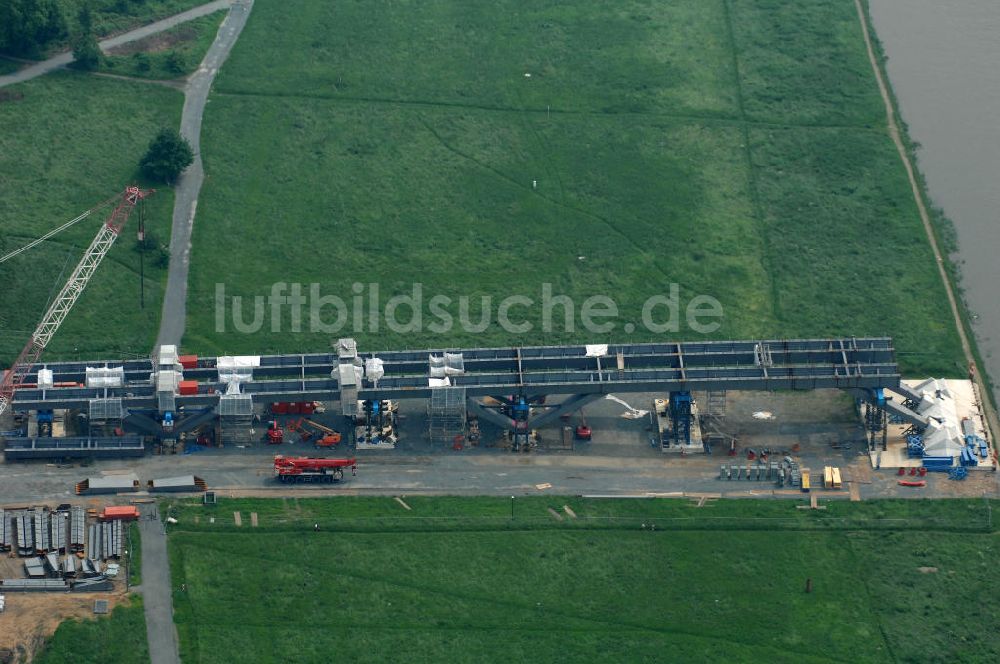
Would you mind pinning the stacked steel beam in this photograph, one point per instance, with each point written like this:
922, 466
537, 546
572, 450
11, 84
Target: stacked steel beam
6, 530
25, 536
94, 542
58, 539
41, 523
77, 528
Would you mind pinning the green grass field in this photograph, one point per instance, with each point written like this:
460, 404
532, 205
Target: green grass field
75, 141
735, 148
118, 638
459, 580
170, 54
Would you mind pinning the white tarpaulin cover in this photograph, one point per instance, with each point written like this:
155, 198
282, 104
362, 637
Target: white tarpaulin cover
449, 364
373, 368
168, 355
167, 381
237, 368
105, 376
238, 361
597, 350
943, 436
45, 379
438, 382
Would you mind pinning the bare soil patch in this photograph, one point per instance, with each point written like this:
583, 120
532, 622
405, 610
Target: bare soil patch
161, 41
31, 618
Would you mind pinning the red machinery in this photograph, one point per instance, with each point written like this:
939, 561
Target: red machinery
309, 469
330, 437
583, 431
275, 434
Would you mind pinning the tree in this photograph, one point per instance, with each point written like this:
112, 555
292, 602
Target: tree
176, 63
86, 52
168, 155
26, 26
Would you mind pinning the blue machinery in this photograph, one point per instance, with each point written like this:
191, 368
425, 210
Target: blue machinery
680, 417
515, 380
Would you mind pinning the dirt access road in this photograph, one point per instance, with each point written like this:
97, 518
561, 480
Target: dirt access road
173, 317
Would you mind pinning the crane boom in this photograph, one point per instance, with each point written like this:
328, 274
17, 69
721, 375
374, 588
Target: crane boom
69, 294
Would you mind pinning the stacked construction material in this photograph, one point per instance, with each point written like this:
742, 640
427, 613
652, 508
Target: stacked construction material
41, 525
34, 568
110, 484
52, 563
25, 536
58, 538
77, 528
12, 585
105, 540
94, 542
6, 531
938, 464
69, 566
177, 484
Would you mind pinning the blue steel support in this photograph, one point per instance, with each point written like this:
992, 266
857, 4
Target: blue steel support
680, 418
876, 420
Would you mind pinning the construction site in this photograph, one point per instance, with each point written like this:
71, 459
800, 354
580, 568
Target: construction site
504, 491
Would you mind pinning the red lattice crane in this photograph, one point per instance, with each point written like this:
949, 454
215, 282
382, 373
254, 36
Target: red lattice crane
70, 292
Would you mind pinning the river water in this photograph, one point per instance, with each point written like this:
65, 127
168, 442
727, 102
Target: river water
944, 65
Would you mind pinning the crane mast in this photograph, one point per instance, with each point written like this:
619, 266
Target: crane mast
69, 294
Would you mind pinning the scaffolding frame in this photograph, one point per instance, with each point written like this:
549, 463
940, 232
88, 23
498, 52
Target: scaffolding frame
446, 415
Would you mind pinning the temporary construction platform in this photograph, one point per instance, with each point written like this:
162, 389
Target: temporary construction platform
516, 380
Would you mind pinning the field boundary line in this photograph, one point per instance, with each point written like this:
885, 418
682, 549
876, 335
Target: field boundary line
894, 134
752, 186
586, 213
691, 118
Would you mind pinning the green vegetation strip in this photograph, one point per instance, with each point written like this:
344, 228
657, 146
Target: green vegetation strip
118, 638
372, 586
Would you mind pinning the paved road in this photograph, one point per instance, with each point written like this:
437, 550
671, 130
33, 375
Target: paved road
63, 59
156, 590
173, 317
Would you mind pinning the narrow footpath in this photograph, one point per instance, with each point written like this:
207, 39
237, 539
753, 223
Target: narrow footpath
63, 59
157, 596
173, 317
